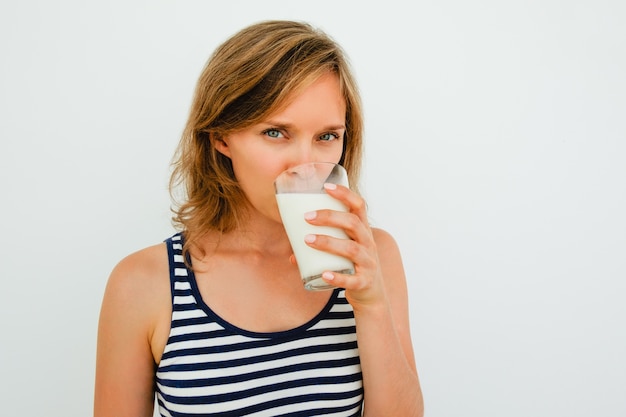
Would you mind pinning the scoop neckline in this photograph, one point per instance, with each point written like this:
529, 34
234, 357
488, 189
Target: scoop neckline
195, 290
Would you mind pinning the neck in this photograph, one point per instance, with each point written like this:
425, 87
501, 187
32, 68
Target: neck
258, 234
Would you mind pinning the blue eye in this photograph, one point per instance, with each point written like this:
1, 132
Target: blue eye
329, 136
273, 133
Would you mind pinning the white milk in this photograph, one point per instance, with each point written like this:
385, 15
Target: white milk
311, 262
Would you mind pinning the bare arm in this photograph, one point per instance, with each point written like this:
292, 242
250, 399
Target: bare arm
390, 377
125, 362
378, 294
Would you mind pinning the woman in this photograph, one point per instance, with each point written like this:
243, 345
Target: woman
216, 321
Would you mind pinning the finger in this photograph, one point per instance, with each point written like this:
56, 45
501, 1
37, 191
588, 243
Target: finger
352, 200
348, 222
346, 248
347, 281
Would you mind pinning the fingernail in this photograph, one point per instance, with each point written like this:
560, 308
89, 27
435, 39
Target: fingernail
309, 238
328, 276
330, 186
310, 215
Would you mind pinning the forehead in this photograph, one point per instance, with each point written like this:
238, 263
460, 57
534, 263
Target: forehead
322, 98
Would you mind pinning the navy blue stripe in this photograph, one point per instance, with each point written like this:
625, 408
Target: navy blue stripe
327, 331
194, 321
338, 315
231, 379
325, 411
238, 395
185, 306
259, 358
299, 399
335, 331
182, 293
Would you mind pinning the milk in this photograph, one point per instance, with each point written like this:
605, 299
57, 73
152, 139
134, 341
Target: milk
311, 262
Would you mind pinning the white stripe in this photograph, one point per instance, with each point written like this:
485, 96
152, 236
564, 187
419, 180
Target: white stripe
184, 299
182, 285
291, 408
195, 328
332, 323
190, 344
341, 308
244, 369
264, 350
177, 246
180, 272
187, 314
260, 382
261, 398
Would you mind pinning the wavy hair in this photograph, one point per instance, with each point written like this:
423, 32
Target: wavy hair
249, 77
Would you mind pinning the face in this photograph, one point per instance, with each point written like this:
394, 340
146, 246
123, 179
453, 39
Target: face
310, 128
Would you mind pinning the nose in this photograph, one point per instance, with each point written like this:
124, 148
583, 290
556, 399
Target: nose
302, 153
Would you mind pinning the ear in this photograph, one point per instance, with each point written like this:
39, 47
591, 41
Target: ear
221, 145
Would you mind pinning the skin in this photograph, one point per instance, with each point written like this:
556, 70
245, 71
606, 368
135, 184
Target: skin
136, 310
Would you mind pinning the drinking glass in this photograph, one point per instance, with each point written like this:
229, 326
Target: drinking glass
300, 189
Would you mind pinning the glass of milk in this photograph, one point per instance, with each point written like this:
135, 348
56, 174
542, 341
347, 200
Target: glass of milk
300, 189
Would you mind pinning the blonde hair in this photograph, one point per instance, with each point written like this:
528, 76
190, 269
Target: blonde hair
247, 78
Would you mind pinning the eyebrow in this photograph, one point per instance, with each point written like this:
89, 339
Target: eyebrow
289, 126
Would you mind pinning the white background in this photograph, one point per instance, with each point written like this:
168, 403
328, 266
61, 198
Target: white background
496, 156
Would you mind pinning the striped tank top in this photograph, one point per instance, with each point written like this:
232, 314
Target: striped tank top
212, 368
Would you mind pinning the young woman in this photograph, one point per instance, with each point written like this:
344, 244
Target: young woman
215, 321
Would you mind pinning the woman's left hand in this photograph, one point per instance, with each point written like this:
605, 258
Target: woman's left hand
364, 288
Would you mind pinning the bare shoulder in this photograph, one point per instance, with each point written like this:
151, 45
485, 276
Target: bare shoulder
144, 263
138, 289
140, 274
392, 269
384, 239
388, 251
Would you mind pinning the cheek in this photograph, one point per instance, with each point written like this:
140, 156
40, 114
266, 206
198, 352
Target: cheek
334, 153
257, 175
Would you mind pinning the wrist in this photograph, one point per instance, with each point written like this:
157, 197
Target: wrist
371, 308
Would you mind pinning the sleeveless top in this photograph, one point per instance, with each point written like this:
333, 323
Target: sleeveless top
212, 368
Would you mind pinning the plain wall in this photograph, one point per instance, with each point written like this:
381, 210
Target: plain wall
496, 156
